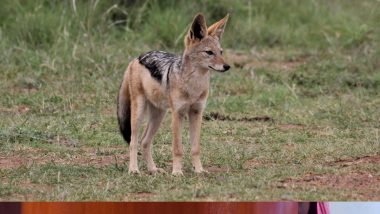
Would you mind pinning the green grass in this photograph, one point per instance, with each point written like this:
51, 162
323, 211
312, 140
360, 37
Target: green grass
313, 67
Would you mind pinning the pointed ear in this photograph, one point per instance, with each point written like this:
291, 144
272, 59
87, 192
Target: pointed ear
217, 28
197, 31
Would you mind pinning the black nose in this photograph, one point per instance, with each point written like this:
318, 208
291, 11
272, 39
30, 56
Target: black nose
226, 67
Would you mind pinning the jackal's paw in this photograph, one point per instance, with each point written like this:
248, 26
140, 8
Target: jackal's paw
177, 173
133, 171
156, 171
201, 171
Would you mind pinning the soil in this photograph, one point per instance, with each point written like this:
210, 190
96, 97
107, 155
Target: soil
374, 159
262, 60
254, 163
217, 116
290, 126
360, 184
21, 109
143, 196
84, 157
215, 169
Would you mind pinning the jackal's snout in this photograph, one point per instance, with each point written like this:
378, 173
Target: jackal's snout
226, 67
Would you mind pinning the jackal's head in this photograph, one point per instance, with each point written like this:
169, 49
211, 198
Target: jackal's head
203, 44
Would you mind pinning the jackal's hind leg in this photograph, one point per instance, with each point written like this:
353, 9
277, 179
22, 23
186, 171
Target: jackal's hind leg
137, 113
154, 120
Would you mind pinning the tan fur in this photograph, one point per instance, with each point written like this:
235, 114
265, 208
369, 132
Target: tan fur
186, 96
217, 28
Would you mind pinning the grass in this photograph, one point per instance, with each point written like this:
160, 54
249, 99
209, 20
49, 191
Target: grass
312, 67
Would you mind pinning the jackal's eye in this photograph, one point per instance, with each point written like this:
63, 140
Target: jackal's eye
221, 52
209, 52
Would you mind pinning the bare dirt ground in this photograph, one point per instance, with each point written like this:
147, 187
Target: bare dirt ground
356, 180
263, 59
85, 156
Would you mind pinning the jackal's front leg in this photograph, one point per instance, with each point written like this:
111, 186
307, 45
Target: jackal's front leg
195, 119
177, 119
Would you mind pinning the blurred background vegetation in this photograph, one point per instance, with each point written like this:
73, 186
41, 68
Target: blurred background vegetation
51, 36
262, 23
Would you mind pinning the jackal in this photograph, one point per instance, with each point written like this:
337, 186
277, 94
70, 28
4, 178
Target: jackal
157, 81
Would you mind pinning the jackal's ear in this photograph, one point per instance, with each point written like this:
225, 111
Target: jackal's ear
197, 31
217, 28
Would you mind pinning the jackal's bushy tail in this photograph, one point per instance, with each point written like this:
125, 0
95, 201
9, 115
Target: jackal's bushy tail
124, 110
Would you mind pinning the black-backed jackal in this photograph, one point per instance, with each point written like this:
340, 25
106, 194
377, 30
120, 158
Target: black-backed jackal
157, 80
